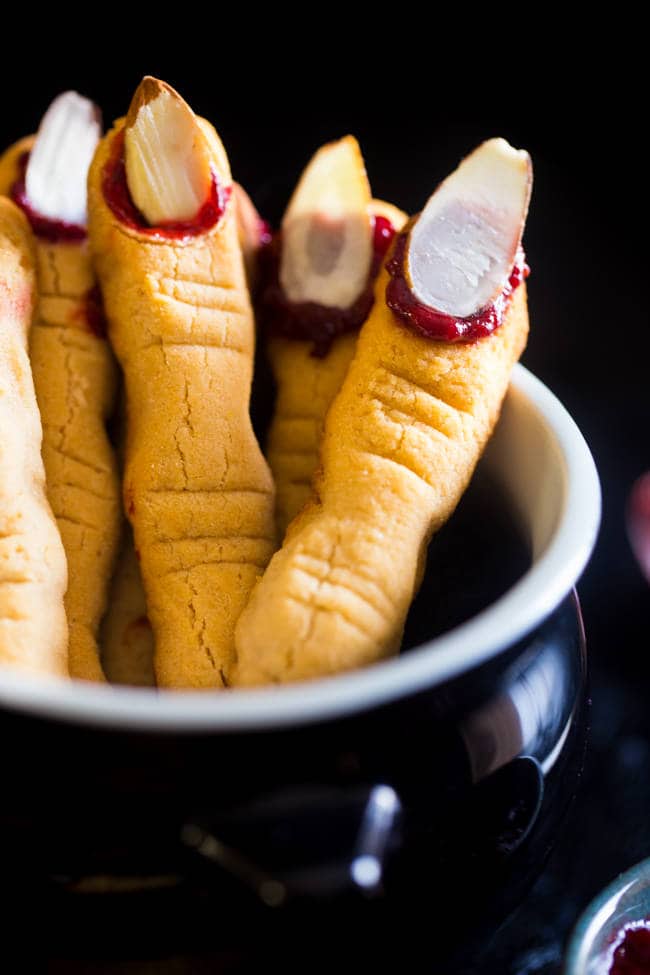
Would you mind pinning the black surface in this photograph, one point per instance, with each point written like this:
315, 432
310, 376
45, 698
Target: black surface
418, 99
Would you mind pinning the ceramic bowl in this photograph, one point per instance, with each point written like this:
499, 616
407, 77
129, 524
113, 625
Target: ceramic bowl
594, 940
446, 769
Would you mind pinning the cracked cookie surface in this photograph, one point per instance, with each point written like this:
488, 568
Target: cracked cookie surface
33, 573
401, 442
75, 378
196, 488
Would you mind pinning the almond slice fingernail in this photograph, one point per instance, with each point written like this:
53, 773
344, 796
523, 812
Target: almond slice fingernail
462, 247
326, 230
167, 158
57, 170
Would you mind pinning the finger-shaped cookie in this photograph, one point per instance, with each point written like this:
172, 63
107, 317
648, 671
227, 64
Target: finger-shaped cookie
405, 431
73, 366
126, 636
33, 574
127, 644
325, 260
197, 490
306, 385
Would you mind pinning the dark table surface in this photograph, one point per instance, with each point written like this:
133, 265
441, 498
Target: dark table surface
415, 116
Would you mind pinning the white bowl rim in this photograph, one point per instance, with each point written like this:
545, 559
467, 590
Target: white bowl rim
600, 911
533, 597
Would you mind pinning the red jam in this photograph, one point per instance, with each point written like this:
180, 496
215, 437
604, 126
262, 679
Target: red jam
44, 227
435, 324
632, 954
308, 320
117, 196
383, 234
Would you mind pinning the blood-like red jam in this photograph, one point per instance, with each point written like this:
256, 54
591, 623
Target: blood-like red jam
435, 324
118, 198
91, 313
53, 231
308, 320
632, 954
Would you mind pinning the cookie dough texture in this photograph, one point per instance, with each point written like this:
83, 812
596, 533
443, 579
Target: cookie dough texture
126, 634
33, 573
306, 387
75, 378
401, 442
196, 487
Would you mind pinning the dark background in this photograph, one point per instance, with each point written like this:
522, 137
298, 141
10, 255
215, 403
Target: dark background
574, 103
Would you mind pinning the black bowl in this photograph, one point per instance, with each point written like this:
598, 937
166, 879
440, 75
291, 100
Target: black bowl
403, 793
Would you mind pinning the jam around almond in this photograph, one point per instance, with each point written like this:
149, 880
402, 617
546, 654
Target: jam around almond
308, 320
45, 228
118, 198
382, 237
437, 325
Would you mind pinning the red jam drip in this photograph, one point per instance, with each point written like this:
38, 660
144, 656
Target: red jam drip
94, 312
632, 955
45, 228
435, 324
118, 198
308, 320
382, 237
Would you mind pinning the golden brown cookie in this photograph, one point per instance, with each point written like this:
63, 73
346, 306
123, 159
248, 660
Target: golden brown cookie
127, 644
401, 440
196, 488
317, 296
75, 378
126, 636
33, 576
306, 385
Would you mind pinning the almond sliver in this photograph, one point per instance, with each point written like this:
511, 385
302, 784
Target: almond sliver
326, 230
462, 247
57, 170
167, 158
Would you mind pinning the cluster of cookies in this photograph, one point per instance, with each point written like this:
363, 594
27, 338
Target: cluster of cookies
391, 342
